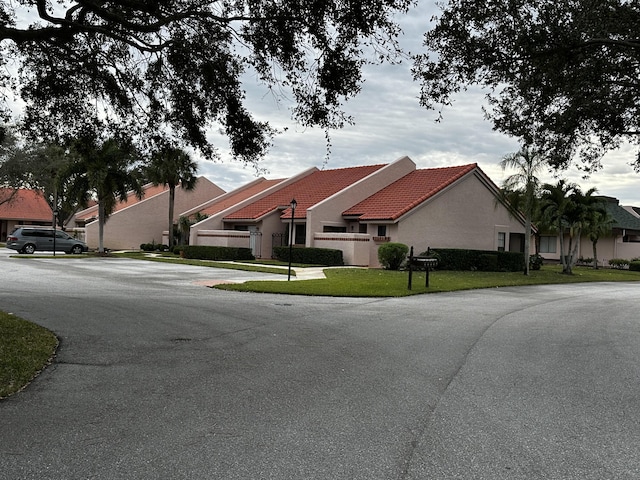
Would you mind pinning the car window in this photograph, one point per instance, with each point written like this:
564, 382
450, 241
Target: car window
45, 233
60, 234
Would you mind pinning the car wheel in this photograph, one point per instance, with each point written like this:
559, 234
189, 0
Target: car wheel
76, 249
29, 248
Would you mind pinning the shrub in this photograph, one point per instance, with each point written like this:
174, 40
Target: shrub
488, 262
391, 255
619, 263
535, 262
204, 252
634, 266
465, 259
310, 256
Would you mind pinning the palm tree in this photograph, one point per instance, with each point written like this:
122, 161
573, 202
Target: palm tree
105, 171
522, 188
172, 167
554, 205
599, 223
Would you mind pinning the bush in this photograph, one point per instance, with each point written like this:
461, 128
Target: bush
391, 255
535, 262
464, 259
311, 256
488, 262
619, 263
634, 266
153, 247
204, 252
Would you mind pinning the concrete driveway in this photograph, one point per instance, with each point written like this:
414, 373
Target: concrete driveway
159, 377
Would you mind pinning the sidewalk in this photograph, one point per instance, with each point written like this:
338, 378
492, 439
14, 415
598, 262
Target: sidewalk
301, 273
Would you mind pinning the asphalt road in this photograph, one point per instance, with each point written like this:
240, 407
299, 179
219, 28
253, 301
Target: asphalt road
159, 377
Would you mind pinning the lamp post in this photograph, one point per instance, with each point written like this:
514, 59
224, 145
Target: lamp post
293, 205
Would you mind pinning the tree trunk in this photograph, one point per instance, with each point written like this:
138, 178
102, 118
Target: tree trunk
563, 259
101, 226
527, 243
595, 254
172, 198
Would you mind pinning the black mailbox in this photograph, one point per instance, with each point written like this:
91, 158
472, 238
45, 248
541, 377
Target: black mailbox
423, 262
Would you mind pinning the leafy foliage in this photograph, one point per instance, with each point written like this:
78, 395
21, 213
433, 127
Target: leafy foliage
466, 259
562, 75
310, 255
391, 255
203, 252
176, 69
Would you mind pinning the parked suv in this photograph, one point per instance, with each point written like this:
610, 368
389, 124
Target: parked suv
28, 239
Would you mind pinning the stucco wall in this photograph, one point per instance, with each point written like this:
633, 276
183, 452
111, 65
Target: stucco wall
355, 247
464, 215
223, 238
146, 220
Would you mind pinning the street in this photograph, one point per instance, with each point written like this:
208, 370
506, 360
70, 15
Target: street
158, 376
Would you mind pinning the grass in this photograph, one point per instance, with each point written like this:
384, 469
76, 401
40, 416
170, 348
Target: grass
25, 349
381, 283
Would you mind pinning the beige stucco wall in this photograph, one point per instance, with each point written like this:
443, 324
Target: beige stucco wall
223, 238
329, 211
146, 220
465, 215
355, 247
608, 248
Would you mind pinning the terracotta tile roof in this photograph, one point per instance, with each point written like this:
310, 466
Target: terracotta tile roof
237, 196
27, 205
308, 191
408, 192
149, 191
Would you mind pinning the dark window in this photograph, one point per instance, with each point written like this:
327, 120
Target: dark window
382, 230
362, 228
332, 229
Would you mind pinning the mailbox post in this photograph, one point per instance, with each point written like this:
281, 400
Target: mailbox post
426, 262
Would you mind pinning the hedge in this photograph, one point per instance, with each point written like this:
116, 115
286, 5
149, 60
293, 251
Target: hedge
310, 256
203, 252
634, 266
486, 260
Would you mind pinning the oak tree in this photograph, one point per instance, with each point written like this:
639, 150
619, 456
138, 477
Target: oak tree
563, 75
178, 68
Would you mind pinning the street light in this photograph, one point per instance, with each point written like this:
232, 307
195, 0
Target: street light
293, 206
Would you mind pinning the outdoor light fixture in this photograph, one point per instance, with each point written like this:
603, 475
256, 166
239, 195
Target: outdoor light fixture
293, 206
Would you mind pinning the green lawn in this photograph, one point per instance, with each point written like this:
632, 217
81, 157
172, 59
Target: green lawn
25, 349
357, 282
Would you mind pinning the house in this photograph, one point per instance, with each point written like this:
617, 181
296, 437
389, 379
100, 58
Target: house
357, 209
22, 207
137, 221
622, 242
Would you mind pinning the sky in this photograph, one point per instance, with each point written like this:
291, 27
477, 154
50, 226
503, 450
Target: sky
389, 124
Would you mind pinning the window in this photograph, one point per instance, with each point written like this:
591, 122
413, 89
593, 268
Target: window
502, 241
300, 234
548, 244
382, 230
332, 229
362, 228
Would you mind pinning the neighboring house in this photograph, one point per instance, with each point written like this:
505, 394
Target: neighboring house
136, 221
622, 242
357, 209
22, 207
